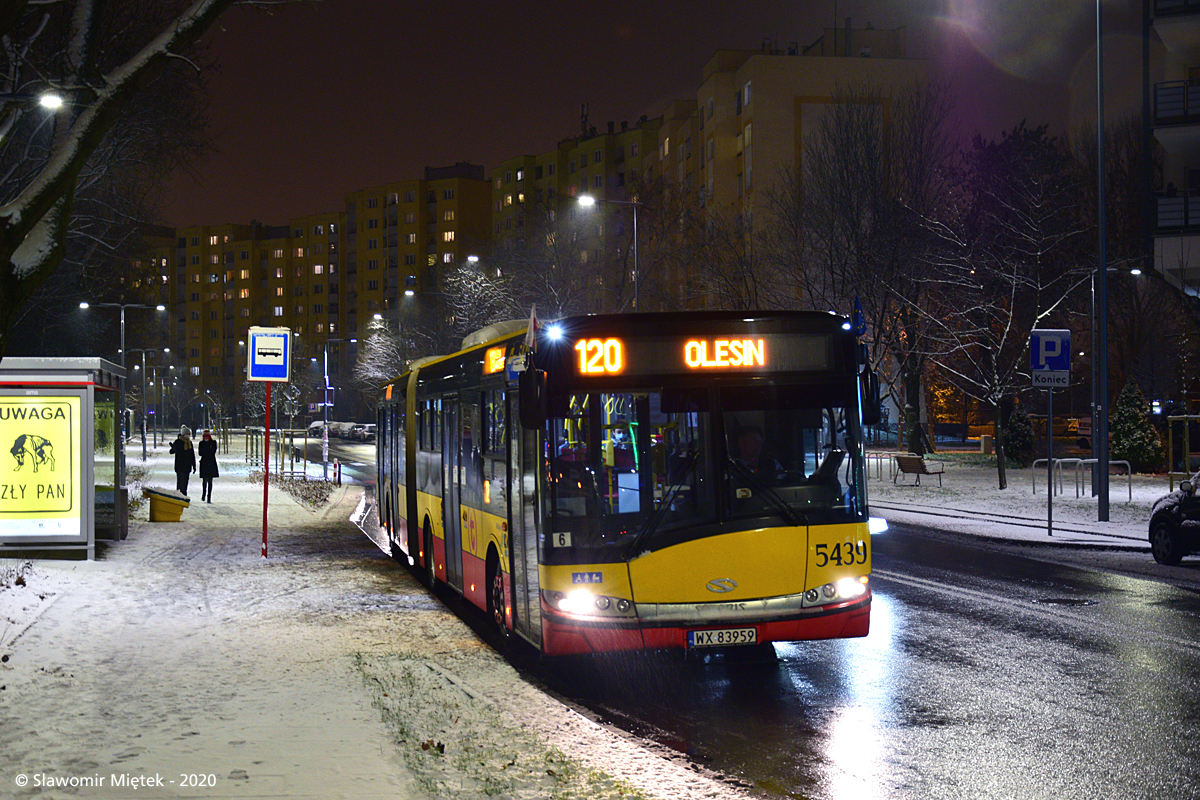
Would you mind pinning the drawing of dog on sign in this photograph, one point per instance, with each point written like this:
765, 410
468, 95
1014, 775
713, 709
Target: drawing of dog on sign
35, 448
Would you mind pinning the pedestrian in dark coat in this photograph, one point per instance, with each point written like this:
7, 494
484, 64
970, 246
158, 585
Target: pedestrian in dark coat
185, 459
208, 465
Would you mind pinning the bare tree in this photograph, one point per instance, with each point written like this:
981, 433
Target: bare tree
1011, 260
102, 58
854, 224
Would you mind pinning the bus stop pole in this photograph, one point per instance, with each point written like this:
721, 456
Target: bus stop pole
266, 467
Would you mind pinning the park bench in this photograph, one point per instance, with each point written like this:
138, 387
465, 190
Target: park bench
916, 465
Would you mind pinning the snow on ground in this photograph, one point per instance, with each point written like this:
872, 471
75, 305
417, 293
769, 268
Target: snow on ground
322, 671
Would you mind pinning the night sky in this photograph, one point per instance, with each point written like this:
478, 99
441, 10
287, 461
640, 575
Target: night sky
319, 99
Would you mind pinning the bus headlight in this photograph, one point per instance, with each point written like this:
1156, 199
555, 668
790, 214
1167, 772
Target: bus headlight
848, 588
839, 591
578, 601
583, 603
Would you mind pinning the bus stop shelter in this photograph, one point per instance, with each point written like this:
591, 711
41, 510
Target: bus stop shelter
61, 456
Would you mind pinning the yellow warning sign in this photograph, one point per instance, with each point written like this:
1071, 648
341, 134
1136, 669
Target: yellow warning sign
40, 455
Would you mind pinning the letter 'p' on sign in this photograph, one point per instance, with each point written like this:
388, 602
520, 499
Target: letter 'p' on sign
1050, 357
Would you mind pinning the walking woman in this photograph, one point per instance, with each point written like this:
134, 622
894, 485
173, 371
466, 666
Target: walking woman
208, 465
185, 459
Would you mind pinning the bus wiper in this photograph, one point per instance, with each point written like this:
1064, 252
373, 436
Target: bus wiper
660, 512
786, 511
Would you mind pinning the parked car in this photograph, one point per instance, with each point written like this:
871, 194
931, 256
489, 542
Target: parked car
369, 432
1175, 523
356, 433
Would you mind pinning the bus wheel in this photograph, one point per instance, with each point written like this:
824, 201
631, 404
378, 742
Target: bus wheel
496, 595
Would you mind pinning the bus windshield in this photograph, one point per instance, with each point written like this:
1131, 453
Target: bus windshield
627, 469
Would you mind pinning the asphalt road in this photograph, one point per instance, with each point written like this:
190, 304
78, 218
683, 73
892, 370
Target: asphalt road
987, 674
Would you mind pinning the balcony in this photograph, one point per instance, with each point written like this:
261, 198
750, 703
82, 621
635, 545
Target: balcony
1177, 212
1163, 8
1176, 102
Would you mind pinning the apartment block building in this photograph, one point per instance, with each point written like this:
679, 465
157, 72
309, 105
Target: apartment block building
1174, 123
326, 276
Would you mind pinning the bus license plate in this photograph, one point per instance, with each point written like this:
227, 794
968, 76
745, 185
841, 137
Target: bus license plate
722, 637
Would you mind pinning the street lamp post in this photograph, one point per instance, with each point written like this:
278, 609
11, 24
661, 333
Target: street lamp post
587, 201
325, 408
156, 380
122, 306
143, 351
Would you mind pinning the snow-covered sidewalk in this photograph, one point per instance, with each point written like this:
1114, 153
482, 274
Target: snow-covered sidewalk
323, 671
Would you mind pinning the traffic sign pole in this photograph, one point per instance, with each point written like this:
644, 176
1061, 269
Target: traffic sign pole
266, 467
1049, 462
1050, 368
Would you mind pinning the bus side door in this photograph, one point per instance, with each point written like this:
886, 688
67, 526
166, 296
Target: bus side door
452, 490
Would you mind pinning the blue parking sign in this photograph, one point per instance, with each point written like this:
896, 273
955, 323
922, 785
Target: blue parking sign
1050, 357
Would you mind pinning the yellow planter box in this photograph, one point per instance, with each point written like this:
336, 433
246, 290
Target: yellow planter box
165, 507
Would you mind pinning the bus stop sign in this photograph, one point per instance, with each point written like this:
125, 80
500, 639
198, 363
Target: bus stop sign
270, 354
1050, 358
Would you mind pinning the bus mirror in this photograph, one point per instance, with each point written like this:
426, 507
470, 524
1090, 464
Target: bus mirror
871, 410
532, 386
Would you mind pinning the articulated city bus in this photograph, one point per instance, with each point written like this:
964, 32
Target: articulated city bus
638, 481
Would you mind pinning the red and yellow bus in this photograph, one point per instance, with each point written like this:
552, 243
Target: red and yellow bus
641, 481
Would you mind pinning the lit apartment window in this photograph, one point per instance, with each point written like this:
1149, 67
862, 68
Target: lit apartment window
244, 293
164, 278
279, 291
245, 312
448, 215
332, 228
277, 252
447, 236
318, 230
411, 238
279, 272
318, 269
244, 274
214, 278
447, 258
299, 252
508, 199
520, 175
393, 198
520, 197
213, 240
214, 259
195, 354
320, 326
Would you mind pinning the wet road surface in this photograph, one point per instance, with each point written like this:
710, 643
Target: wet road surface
986, 675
